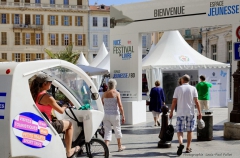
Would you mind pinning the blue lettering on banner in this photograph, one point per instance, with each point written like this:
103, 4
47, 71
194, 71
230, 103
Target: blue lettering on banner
223, 74
126, 56
117, 42
2, 104
121, 75
224, 10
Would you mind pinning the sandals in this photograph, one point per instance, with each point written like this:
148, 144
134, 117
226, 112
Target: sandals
180, 149
188, 150
75, 152
158, 123
122, 148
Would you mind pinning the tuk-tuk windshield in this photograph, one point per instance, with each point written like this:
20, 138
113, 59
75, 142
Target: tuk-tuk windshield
73, 82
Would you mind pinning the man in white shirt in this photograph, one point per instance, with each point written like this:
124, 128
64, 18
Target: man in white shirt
186, 97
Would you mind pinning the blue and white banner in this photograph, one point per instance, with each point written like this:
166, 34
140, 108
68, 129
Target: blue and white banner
2, 104
219, 93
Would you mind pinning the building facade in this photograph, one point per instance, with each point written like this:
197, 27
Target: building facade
99, 29
146, 43
27, 27
217, 43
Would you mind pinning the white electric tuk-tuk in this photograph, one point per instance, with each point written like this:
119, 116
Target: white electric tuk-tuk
25, 132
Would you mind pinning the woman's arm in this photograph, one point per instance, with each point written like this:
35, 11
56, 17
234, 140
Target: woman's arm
49, 100
120, 107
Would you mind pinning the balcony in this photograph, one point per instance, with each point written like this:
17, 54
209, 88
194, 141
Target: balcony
198, 37
43, 6
23, 26
189, 37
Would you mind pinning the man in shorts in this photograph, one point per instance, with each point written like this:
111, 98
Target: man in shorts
186, 97
203, 89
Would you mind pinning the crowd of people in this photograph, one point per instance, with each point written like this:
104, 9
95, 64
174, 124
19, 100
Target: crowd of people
185, 99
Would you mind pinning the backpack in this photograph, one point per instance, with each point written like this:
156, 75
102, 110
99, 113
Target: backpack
168, 135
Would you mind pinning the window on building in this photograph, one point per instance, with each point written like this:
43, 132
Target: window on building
4, 38
79, 2
200, 47
53, 39
27, 38
66, 39
66, 2
144, 41
52, 20
38, 56
188, 33
214, 52
38, 19
66, 20
17, 57
28, 57
38, 38
3, 2
79, 40
4, 56
79, 20
4, 19
27, 1
52, 1
95, 21
27, 19
105, 40
37, 1
229, 52
16, 19
95, 40
105, 22
94, 55
17, 38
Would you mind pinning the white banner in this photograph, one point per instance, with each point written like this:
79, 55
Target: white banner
219, 93
125, 61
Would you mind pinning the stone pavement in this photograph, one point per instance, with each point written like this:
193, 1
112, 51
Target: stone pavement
141, 141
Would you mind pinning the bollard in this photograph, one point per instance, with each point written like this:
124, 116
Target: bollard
162, 143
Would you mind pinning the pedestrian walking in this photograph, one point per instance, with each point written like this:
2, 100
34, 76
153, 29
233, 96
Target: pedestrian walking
186, 97
179, 84
113, 107
157, 100
203, 89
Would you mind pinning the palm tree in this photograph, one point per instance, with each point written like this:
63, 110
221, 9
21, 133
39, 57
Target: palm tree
66, 54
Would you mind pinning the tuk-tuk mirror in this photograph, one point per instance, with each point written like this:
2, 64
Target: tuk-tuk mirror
95, 96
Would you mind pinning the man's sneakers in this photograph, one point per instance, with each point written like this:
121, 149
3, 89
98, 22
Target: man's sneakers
180, 149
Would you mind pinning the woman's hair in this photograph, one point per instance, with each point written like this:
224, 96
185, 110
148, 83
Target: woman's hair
112, 83
35, 89
157, 83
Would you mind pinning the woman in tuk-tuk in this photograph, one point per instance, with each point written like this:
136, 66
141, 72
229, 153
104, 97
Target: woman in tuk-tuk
46, 103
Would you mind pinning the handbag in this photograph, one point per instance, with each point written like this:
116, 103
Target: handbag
168, 135
101, 131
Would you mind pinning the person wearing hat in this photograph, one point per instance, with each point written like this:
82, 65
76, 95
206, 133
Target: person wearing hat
46, 103
186, 97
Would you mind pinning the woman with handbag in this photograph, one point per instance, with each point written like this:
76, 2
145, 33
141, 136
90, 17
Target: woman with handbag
113, 107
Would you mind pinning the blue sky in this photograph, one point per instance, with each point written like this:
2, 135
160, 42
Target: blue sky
113, 2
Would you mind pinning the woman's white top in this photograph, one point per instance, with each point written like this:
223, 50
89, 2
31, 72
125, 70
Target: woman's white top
111, 106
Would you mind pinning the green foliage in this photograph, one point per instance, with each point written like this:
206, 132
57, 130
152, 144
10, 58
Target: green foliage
67, 54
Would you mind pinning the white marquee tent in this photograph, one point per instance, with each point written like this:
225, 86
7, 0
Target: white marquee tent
173, 53
102, 53
82, 60
105, 63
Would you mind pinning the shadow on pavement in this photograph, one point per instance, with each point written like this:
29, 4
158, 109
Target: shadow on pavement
148, 154
141, 131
